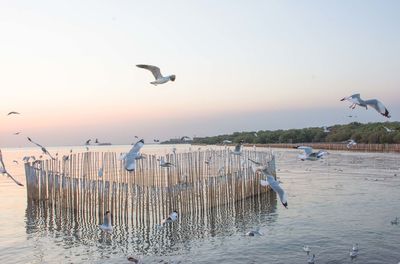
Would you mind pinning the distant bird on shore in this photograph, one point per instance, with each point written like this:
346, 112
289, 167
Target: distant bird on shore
13, 113
355, 100
274, 184
351, 143
44, 150
107, 226
254, 232
4, 171
309, 154
160, 79
185, 138
156, 140
132, 155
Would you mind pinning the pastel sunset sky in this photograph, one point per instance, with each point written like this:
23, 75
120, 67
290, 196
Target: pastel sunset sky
69, 67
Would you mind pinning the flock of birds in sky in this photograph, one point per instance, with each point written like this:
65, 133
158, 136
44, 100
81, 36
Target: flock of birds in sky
269, 180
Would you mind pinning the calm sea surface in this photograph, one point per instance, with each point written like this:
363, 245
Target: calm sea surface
346, 198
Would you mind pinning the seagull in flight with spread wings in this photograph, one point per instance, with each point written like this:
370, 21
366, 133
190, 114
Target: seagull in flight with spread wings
45, 151
160, 79
355, 100
4, 171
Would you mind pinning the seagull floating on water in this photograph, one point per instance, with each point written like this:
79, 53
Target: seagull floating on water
160, 79
106, 226
254, 232
274, 184
395, 221
307, 249
132, 155
355, 100
171, 218
353, 253
311, 260
355, 247
309, 154
4, 171
13, 113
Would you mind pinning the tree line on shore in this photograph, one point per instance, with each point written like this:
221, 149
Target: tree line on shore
370, 133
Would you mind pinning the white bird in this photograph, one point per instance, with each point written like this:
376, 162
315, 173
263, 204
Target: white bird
254, 232
311, 260
185, 138
351, 143
274, 186
307, 249
238, 149
355, 247
395, 221
106, 226
4, 171
353, 253
326, 129
171, 218
309, 154
355, 99
388, 129
226, 141
160, 79
165, 164
132, 155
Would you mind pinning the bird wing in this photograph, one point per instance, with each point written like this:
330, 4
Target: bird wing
307, 150
278, 189
378, 106
154, 70
355, 98
3, 170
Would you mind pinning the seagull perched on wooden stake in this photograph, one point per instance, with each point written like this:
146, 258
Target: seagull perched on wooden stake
355, 100
43, 148
4, 171
160, 79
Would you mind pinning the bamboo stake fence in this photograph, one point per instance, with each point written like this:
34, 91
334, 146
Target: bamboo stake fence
91, 183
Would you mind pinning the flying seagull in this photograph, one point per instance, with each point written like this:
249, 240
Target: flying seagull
131, 157
17, 133
88, 142
309, 154
351, 143
185, 138
4, 171
157, 74
388, 129
355, 100
226, 141
43, 148
326, 129
274, 184
106, 226
13, 113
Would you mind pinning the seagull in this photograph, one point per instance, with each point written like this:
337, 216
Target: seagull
17, 133
157, 74
134, 260
226, 141
255, 134
326, 129
106, 226
136, 137
43, 148
185, 138
275, 186
171, 218
355, 99
254, 232
65, 158
16, 161
311, 260
353, 253
309, 154
88, 142
156, 140
13, 113
351, 143
238, 149
4, 171
355, 247
165, 164
307, 249
395, 221
131, 156
208, 161
26, 159
96, 141
388, 129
